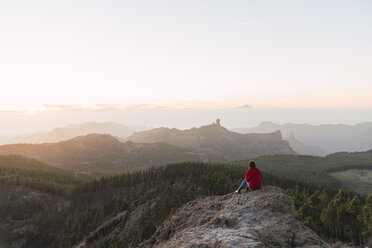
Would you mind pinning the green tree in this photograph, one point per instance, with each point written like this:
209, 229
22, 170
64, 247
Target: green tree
329, 218
367, 216
311, 212
355, 220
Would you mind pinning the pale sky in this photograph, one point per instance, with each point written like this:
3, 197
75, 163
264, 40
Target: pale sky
264, 53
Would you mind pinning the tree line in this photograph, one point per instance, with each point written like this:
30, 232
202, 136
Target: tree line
345, 216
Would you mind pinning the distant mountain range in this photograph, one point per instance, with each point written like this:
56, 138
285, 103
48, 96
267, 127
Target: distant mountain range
103, 152
72, 131
315, 140
216, 143
245, 106
321, 139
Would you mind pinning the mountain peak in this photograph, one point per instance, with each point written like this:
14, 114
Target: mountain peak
95, 138
262, 218
245, 106
214, 126
267, 124
218, 122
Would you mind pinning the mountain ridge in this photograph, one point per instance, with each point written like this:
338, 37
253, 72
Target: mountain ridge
101, 151
71, 131
210, 143
216, 142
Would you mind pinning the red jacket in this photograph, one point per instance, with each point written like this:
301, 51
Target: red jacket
254, 177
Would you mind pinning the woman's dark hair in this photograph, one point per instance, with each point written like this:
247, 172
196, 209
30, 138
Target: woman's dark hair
252, 163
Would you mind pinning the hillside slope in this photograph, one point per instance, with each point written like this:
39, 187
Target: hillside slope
216, 143
302, 148
20, 207
30, 190
22, 171
101, 152
263, 218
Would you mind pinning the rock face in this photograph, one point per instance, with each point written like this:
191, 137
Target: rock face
263, 218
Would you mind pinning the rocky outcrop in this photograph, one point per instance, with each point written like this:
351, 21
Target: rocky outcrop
263, 218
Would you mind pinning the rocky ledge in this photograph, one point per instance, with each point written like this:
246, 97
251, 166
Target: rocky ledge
263, 218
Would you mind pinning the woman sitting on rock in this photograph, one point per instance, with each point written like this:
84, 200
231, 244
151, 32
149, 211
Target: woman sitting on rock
253, 176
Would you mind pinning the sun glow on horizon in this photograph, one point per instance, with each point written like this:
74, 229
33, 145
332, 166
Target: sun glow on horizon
28, 109
32, 109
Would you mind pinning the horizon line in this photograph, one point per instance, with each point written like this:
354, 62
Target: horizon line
38, 108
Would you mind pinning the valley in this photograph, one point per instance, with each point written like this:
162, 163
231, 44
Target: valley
358, 180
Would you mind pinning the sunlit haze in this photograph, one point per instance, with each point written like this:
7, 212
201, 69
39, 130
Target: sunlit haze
266, 53
294, 61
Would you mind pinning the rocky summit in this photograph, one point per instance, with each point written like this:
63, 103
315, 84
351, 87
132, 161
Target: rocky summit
263, 218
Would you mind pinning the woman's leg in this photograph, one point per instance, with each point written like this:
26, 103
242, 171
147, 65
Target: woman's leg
243, 183
241, 186
248, 189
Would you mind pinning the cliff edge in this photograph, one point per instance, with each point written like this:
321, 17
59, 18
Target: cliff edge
263, 218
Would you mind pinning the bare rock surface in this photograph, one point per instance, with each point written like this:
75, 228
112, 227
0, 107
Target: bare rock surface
263, 218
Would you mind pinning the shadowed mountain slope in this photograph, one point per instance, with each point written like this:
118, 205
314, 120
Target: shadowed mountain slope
101, 151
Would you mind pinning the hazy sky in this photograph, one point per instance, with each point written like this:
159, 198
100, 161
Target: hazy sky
18, 123
264, 53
